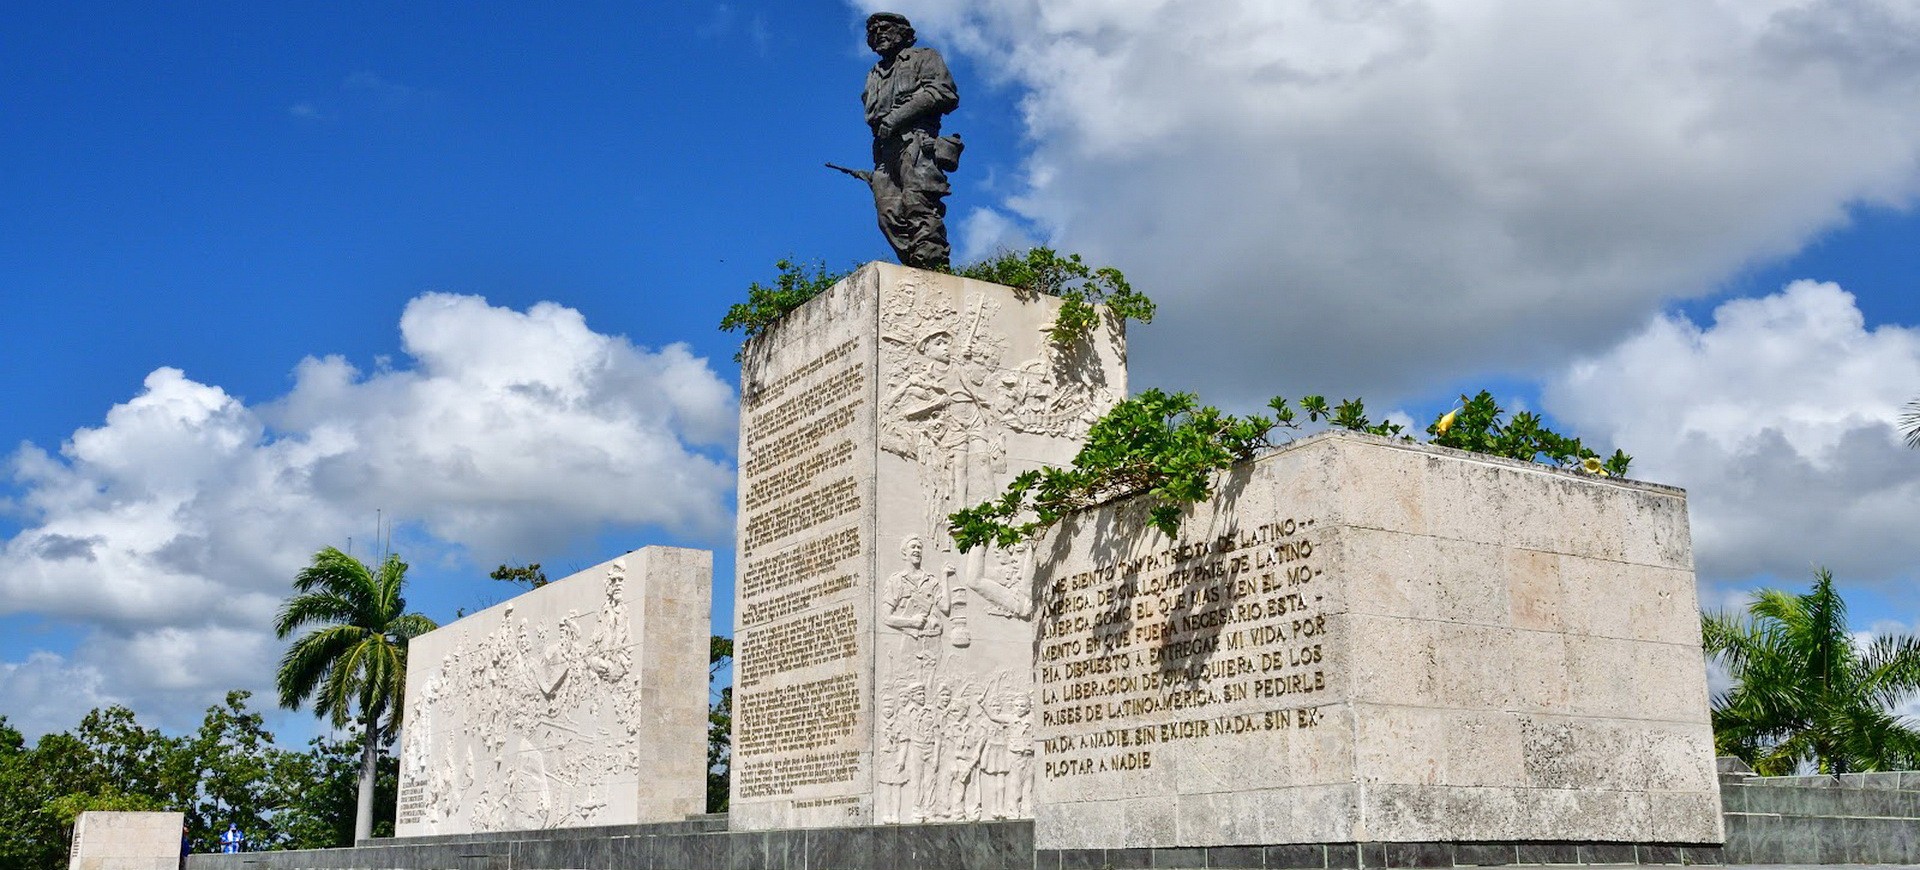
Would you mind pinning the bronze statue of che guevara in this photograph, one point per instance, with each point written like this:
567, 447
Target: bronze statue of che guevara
907, 92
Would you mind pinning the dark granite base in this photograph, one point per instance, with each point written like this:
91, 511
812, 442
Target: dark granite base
693, 845
1337, 856
703, 844
1859, 818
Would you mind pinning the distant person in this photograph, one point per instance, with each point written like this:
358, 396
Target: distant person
232, 840
186, 845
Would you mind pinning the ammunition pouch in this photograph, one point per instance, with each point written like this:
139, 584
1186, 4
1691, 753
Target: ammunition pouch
946, 152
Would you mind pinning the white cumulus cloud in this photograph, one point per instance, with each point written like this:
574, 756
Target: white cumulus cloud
1384, 195
1780, 420
170, 531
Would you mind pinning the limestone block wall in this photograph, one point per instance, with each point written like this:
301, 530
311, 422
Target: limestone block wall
1365, 640
126, 841
881, 677
583, 702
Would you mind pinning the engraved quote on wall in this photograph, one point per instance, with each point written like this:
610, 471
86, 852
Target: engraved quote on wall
1167, 646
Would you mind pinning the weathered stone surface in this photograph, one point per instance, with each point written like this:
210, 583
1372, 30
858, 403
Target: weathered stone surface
583, 702
1363, 640
882, 677
125, 841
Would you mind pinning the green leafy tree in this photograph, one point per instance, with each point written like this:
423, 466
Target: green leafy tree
353, 664
59, 765
122, 757
109, 763
528, 576
228, 771
326, 778
34, 780
230, 764
322, 785
1807, 694
68, 807
719, 726
1480, 425
20, 802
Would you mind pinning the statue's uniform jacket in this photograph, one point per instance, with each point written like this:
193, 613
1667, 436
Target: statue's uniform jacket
911, 93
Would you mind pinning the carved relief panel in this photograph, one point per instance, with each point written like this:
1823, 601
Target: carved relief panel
883, 676
531, 714
972, 394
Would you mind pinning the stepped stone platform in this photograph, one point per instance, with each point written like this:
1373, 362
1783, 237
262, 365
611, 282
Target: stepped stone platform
704, 843
1783, 821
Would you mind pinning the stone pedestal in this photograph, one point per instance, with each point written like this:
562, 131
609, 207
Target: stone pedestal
880, 676
1370, 641
581, 703
125, 841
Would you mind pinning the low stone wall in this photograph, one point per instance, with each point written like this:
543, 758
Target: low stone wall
1855, 818
698, 844
704, 844
1362, 640
125, 841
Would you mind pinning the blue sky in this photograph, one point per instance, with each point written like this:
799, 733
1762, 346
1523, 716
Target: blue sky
245, 247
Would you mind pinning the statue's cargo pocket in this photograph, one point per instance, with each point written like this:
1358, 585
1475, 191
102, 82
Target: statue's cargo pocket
946, 152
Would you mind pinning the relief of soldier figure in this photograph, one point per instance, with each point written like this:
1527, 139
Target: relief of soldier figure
962, 752
907, 93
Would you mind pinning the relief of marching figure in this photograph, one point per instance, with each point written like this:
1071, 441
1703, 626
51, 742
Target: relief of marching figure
500, 714
964, 753
960, 754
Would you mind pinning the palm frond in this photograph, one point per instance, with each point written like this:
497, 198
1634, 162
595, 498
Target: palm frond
1910, 423
1890, 668
310, 660
331, 569
312, 608
341, 692
409, 626
392, 576
353, 665
1806, 695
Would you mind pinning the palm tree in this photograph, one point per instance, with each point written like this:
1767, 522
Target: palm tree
1807, 693
1910, 423
356, 657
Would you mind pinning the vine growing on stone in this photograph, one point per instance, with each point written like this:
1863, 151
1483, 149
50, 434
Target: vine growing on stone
1167, 445
1170, 447
766, 304
1083, 289
1478, 426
